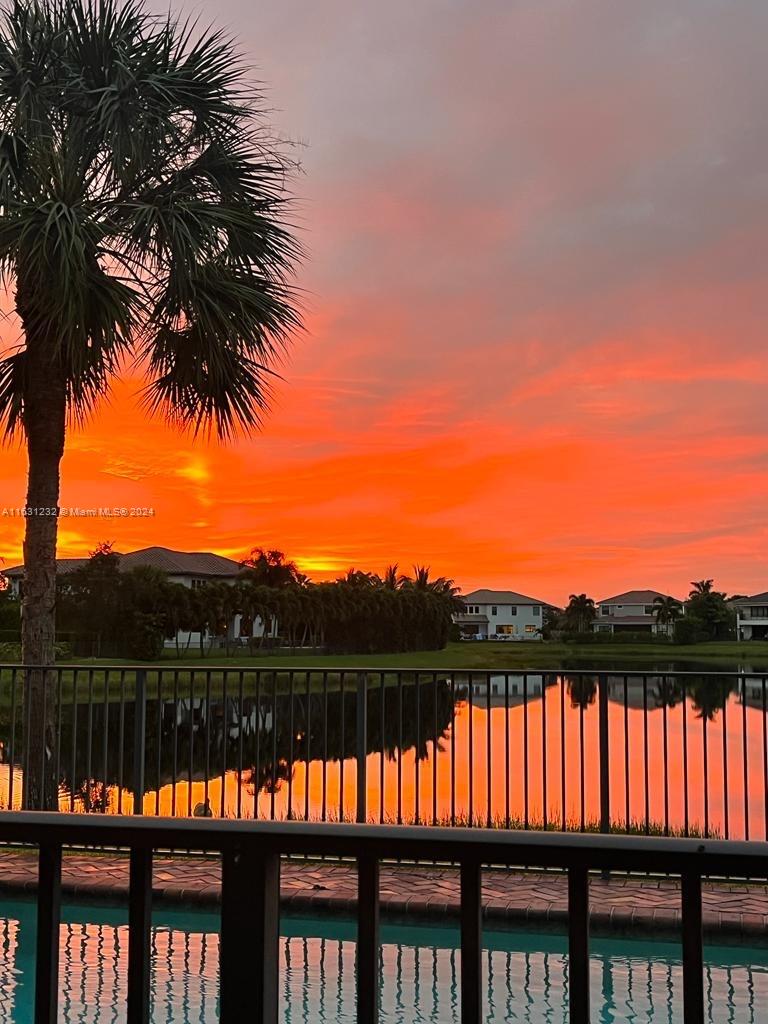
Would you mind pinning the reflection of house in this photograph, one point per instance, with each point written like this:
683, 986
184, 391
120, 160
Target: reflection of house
752, 617
632, 612
501, 613
506, 689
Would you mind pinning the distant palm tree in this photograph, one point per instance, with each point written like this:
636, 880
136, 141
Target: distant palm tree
269, 568
666, 611
392, 579
580, 613
141, 215
699, 587
439, 585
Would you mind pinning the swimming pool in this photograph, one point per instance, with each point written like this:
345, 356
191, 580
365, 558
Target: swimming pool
526, 981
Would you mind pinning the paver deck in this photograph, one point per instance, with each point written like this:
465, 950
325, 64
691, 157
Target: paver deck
511, 899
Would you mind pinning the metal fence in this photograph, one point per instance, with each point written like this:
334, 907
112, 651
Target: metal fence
250, 912
669, 753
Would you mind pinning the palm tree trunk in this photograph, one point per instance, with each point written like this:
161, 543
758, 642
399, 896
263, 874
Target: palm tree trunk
44, 422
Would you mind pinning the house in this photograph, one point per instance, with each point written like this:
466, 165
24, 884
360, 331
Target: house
501, 613
751, 617
189, 568
631, 612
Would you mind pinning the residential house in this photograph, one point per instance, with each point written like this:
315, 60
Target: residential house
631, 612
189, 568
501, 613
752, 617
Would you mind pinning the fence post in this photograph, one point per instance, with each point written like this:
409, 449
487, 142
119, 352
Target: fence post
139, 739
361, 744
605, 793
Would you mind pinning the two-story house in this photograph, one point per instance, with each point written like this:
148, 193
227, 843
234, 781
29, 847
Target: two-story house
631, 612
752, 617
501, 613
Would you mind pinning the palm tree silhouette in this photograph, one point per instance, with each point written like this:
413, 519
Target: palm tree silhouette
666, 611
142, 214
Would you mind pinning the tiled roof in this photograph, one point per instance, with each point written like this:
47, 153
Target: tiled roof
500, 597
634, 597
174, 563
755, 599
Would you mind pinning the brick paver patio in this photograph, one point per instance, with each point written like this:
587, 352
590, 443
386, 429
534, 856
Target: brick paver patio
618, 904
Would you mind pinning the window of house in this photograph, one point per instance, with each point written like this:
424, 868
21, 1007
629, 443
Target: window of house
605, 609
513, 609
493, 610
536, 611
531, 629
648, 609
197, 583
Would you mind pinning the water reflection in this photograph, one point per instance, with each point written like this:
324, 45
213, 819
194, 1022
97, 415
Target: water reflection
525, 974
685, 753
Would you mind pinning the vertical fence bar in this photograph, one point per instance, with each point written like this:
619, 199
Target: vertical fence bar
139, 935
693, 952
273, 787
453, 755
417, 748
686, 812
73, 773
563, 796
175, 756
121, 745
745, 759
471, 942
400, 748
343, 754
506, 751
488, 758
250, 923
291, 738
525, 750
605, 759
105, 763
646, 780
434, 748
48, 920
241, 737
368, 982
578, 945
139, 738
725, 766
224, 741
544, 801
361, 740
627, 809
325, 747
12, 745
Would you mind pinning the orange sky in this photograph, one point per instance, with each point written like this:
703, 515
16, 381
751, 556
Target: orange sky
536, 306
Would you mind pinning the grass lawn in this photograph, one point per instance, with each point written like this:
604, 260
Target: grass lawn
481, 655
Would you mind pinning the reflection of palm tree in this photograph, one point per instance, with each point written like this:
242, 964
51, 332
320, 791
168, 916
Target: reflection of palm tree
582, 690
668, 692
709, 694
666, 611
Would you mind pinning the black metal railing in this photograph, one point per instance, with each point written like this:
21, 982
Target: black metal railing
669, 753
250, 910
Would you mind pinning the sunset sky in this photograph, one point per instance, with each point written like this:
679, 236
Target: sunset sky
535, 298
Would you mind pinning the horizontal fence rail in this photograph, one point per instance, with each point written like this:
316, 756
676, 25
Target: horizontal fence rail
250, 916
667, 753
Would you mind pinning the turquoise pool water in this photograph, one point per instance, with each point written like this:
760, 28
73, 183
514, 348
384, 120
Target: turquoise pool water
526, 978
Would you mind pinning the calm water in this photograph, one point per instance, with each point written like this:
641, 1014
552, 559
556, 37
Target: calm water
526, 976
492, 749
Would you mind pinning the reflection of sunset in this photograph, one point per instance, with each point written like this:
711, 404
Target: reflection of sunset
451, 783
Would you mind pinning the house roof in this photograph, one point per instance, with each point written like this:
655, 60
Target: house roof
755, 599
500, 597
174, 563
634, 597
462, 617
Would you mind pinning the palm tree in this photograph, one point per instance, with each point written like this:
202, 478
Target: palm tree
700, 587
141, 215
666, 611
580, 613
392, 579
270, 569
439, 585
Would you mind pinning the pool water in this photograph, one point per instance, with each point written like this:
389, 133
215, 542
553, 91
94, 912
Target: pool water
526, 978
